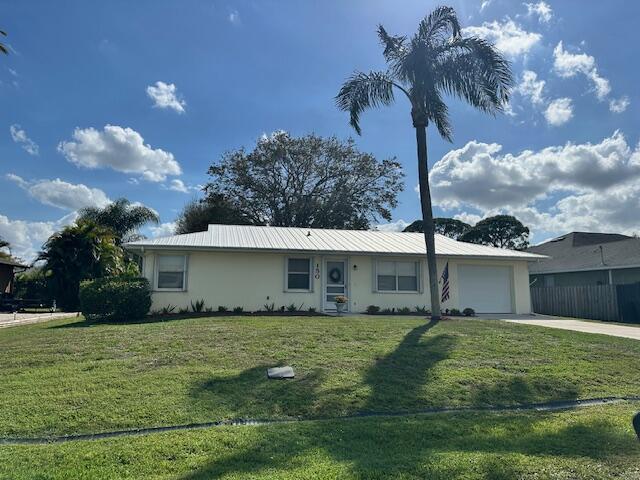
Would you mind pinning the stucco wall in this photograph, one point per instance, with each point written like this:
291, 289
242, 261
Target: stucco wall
252, 280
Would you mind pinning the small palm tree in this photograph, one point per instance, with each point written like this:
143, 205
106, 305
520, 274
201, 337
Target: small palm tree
435, 62
121, 217
79, 252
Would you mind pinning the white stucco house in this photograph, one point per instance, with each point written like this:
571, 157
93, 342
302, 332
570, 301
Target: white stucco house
250, 266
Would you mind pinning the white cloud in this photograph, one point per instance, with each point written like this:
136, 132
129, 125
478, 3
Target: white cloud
485, 4
531, 87
541, 9
122, 149
60, 194
568, 65
20, 136
164, 95
507, 36
163, 230
26, 237
583, 186
559, 111
619, 105
178, 185
234, 17
397, 226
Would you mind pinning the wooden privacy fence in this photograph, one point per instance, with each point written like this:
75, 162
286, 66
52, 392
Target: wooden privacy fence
618, 303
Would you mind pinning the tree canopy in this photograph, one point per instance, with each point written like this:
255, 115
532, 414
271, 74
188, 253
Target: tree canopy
449, 227
502, 231
122, 217
198, 214
307, 181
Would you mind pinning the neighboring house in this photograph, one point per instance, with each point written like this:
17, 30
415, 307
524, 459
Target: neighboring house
7, 268
581, 258
252, 266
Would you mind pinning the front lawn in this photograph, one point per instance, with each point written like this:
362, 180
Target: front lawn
66, 377
590, 443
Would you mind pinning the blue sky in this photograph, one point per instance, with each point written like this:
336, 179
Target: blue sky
136, 99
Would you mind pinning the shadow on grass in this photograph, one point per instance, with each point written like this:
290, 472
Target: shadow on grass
162, 319
383, 447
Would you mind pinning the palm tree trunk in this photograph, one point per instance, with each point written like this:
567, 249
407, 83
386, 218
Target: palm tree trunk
427, 219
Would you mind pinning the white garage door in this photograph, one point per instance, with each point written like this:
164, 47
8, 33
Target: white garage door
486, 289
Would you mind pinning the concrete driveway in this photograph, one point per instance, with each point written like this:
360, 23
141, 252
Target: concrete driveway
603, 328
14, 320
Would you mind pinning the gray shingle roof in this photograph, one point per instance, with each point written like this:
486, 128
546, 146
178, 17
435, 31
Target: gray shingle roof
291, 239
584, 251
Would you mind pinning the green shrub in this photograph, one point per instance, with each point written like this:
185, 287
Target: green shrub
270, 307
222, 309
33, 284
167, 310
469, 312
238, 310
373, 309
292, 308
198, 306
454, 311
115, 298
312, 310
388, 311
404, 310
422, 310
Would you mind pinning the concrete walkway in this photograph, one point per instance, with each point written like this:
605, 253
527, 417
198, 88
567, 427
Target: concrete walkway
603, 328
14, 320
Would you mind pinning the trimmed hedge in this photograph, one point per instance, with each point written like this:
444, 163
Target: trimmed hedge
115, 298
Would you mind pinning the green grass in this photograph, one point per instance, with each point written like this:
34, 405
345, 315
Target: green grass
65, 377
591, 443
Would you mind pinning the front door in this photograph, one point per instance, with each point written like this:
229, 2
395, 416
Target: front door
335, 282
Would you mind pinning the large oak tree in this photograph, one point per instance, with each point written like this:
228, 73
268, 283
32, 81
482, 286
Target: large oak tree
306, 181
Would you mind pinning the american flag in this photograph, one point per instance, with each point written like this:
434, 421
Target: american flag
445, 283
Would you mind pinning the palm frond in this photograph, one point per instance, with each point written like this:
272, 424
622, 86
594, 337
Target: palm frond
362, 91
473, 69
393, 44
438, 113
438, 25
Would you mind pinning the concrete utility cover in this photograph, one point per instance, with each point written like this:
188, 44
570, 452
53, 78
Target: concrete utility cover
280, 372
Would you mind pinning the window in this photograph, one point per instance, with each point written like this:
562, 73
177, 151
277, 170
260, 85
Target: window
397, 276
171, 272
298, 274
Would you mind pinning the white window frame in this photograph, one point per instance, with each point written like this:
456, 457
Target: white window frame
156, 274
418, 265
286, 274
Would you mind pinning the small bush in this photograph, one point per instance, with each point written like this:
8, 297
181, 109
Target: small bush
404, 310
292, 308
167, 310
197, 307
270, 307
312, 310
454, 311
422, 310
238, 310
373, 309
388, 311
222, 309
469, 312
183, 310
115, 298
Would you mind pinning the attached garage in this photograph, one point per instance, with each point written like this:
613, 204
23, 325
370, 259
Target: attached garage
486, 288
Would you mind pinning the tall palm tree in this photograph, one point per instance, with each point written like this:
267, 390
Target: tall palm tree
435, 62
121, 217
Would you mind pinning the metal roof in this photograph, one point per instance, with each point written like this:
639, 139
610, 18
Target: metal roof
569, 253
293, 239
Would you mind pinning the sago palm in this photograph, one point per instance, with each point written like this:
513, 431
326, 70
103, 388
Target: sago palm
437, 61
